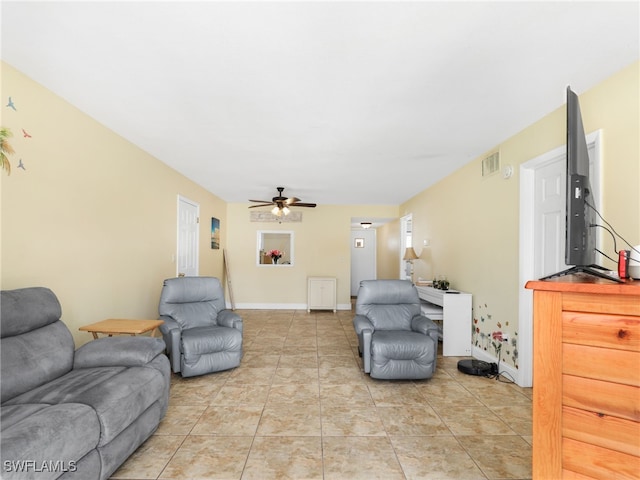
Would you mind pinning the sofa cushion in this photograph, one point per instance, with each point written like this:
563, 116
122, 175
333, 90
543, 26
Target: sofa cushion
47, 439
34, 358
121, 351
27, 309
119, 395
10, 414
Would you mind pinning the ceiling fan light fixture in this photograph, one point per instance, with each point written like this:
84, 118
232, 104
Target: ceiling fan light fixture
365, 225
281, 203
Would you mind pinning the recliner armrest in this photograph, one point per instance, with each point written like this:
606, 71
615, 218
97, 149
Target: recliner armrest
364, 330
171, 331
228, 318
120, 351
169, 324
360, 323
424, 325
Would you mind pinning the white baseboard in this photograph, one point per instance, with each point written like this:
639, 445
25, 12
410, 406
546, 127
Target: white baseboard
510, 372
281, 306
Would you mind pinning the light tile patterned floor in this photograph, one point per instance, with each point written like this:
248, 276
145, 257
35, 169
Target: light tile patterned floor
299, 407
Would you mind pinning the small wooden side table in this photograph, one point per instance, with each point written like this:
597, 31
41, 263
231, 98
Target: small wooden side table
122, 326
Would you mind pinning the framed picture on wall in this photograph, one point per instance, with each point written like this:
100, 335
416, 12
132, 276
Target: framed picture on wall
359, 243
215, 233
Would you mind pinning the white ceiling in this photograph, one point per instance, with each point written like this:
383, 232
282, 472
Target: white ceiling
339, 102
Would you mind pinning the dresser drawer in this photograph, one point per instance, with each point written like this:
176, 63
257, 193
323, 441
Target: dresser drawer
596, 462
602, 430
619, 366
601, 397
600, 330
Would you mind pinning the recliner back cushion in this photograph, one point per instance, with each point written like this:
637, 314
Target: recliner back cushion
190, 315
192, 301
388, 304
390, 317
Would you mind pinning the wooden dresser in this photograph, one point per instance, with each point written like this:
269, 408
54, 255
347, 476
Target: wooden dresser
586, 379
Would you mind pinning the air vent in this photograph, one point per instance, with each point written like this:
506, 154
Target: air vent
491, 164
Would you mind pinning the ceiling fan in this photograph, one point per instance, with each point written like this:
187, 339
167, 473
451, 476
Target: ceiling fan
281, 203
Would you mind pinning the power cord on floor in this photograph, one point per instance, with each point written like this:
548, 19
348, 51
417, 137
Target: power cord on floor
495, 374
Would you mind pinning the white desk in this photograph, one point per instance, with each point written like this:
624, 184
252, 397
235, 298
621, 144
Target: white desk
454, 309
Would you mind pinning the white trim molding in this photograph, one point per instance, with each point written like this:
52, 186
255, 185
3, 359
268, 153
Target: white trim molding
507, 370
282, 306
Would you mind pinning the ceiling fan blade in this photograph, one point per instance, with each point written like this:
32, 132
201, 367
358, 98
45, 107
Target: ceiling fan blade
299, 204
291, 200
262, 201
261, 205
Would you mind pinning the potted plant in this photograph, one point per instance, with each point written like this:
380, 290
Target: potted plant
275, 255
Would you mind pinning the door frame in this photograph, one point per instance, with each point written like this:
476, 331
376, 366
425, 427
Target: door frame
363, 258
404, 220
527, 239
181, 199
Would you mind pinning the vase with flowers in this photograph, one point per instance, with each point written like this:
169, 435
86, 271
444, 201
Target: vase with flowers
275, 255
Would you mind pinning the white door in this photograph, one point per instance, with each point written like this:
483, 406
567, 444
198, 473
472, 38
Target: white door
188, 221
549, 218
542, 233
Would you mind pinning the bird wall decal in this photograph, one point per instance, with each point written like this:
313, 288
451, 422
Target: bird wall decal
10, 104
21, 165
25, 134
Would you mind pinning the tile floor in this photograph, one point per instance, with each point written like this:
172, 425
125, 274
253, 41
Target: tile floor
299, 407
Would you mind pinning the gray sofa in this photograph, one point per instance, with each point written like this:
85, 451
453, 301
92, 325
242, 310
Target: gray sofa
69, 413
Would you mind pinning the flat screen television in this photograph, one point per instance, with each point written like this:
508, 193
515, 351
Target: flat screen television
580, 233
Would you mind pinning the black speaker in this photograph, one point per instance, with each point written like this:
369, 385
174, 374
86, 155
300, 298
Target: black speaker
476, 367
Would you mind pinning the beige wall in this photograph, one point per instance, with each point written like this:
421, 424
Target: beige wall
322, 248
92, 217
473, 223
388, 250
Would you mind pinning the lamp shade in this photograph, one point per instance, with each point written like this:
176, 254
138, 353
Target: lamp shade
410, 254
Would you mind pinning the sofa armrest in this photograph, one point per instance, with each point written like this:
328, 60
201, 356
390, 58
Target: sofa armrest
122, 351
228, 318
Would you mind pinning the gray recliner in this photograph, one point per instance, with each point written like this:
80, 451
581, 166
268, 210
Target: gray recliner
202, 336
396, 342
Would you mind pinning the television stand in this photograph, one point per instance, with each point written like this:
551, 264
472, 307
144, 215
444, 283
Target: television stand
594, 270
